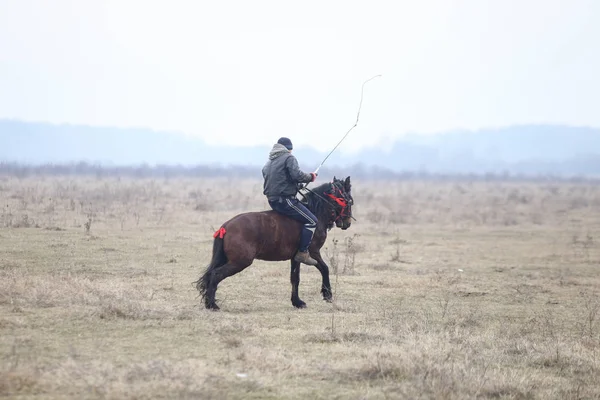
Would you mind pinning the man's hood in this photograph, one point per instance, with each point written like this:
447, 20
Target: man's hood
277, 151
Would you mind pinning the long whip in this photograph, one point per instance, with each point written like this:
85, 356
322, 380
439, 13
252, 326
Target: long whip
362, 90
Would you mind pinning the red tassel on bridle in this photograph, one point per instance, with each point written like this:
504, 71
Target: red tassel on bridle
340, 202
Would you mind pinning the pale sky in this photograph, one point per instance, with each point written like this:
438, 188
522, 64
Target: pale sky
247, 72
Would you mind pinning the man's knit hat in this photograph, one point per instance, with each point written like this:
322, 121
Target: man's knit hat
286, 142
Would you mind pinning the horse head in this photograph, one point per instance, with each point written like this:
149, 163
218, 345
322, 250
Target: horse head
341, 194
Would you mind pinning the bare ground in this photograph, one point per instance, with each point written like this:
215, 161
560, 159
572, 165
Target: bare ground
446, 290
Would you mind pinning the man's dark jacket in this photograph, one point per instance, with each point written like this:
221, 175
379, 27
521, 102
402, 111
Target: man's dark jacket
282, 174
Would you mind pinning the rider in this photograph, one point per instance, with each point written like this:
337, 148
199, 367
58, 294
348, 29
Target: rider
282, 176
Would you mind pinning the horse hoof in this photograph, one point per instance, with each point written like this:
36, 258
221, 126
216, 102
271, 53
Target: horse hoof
212, 307
299, 304
328, 299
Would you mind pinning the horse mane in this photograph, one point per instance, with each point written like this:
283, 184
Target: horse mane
315, 201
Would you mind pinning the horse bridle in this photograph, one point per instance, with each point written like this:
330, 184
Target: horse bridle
343, 201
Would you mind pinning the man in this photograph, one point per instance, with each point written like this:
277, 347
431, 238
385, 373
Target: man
282, 176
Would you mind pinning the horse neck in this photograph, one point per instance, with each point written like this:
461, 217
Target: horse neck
320, 207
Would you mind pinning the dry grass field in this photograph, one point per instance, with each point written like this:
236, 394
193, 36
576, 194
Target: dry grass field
443, 290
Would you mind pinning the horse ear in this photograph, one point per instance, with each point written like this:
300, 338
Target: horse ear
347, 185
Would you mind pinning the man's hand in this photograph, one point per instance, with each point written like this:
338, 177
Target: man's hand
314, 176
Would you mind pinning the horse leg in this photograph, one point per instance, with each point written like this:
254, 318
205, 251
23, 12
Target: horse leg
295, 279
324, 270
216, 276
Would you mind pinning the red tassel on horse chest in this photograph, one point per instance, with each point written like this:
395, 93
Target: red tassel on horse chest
220, 233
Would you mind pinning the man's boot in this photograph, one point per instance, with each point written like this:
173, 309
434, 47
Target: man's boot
305, 258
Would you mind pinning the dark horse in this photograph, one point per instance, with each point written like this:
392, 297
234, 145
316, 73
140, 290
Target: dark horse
270, 236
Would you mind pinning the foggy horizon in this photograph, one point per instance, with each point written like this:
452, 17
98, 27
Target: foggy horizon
526, 149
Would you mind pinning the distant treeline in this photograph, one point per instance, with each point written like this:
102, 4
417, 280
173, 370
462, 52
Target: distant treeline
252, 172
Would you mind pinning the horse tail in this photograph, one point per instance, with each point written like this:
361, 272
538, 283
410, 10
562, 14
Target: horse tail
219, 258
